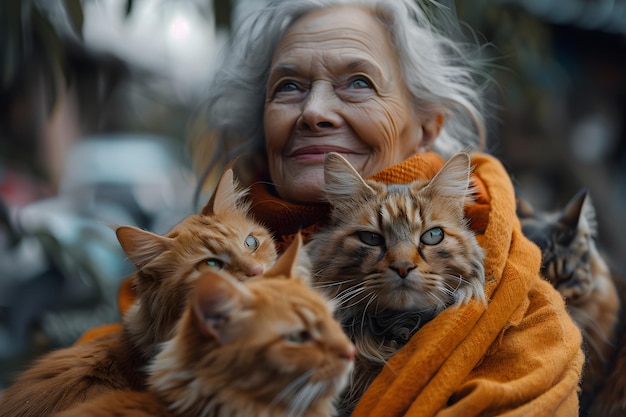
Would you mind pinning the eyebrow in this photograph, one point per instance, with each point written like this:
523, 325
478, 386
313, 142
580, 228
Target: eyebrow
354, 65
279, 71
364, 66
284, 69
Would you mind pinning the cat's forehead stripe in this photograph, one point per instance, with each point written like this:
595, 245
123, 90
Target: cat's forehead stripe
310, 319
207, 252
307, 315
399, 207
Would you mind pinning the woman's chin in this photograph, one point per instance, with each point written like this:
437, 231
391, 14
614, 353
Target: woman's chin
306, 187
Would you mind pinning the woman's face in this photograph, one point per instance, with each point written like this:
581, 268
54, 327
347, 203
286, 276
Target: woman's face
335, 86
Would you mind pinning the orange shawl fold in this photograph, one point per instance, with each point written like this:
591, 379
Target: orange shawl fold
519, 356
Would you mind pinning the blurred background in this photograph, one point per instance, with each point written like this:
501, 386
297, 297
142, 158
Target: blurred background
95, 104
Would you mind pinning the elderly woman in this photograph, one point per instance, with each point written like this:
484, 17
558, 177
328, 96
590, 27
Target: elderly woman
380, 83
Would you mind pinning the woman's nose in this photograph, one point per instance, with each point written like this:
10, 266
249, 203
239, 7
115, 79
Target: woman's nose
319, 109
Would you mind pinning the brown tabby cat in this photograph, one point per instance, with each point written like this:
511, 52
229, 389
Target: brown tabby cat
266, 347
575, 267
222, 236
393, 257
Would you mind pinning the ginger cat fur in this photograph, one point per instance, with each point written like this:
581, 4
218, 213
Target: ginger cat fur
222, 236
265, 347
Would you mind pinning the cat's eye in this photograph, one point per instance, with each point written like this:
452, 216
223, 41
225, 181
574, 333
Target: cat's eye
210, 264
566, 237
251, 242
432, 236
370, 238
300, 336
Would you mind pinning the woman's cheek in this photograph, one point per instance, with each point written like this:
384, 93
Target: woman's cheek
375, 128
398, 128
276, 128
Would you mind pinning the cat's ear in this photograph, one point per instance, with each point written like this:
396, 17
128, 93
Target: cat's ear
580, 206
227, 196
293, 263
341, 179
141, 246
453, 179
214, 300
589, 213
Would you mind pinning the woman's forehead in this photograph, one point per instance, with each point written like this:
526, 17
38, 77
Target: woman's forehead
335, 21
350, 31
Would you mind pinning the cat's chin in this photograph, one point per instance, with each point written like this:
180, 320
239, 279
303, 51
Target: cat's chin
408, 294
408, 299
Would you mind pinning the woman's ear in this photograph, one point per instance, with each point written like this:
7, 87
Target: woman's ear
430, 131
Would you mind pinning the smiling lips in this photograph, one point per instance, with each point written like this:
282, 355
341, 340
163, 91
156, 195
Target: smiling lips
317, 152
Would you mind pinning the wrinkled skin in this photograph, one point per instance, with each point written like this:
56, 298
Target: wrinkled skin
335, 85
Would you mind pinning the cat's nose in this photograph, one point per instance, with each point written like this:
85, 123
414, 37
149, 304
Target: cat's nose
255, 271
348, 353
402, 268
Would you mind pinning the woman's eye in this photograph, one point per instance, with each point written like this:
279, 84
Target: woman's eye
370, 238
359, 83
286, 87
301, 336
432, 236
210, 264
251, 242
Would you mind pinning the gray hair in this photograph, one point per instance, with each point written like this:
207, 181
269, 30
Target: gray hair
440, 72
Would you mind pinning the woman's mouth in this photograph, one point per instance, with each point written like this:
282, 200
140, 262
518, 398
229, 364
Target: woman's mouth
317, 152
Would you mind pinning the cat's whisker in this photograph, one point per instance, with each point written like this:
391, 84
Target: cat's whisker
377, 306
439, 302
349, 296
371, 299
464, 289
356, 386
299, 403
333, 283
445, 288
457, 279
460, 281
293, 387
350, 289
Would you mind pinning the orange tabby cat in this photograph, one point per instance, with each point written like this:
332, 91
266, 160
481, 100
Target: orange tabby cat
575, 267
394, 256
222, 236
266, 347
